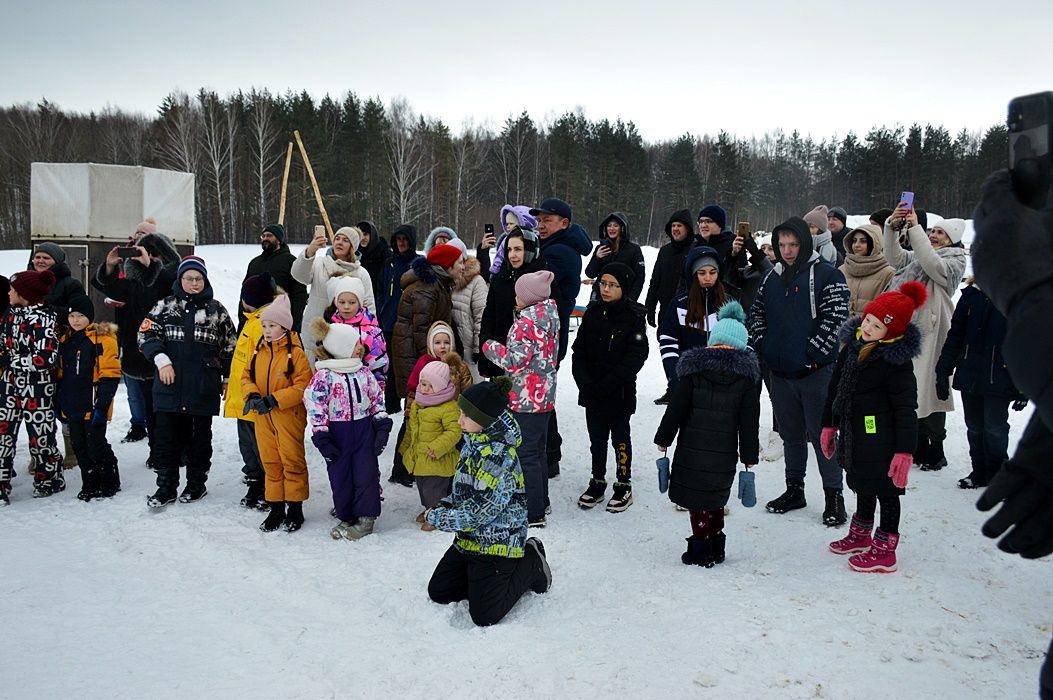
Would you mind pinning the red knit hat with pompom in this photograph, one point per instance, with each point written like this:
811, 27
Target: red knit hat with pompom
895, 309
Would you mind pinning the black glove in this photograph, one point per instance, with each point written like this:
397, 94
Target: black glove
381, 433
251, 404
651, 319
1027, 507
1020, 404
943, 388
267, 404
325, 446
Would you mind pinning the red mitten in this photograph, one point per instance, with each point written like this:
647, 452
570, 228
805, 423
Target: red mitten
827, 442
899, 469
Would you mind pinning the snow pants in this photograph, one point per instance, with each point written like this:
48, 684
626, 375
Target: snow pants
252, 465
98, 464
491, 585
38, 413
354, 476
610, 422
799, 409
279, 435
179, 434
987, 427
532, 456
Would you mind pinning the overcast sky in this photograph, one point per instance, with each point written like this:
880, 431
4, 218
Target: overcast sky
671, 67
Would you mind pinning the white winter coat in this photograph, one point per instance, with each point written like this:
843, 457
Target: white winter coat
469, 300
315, 272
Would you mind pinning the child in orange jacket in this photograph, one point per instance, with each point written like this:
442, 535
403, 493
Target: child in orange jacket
90, 371
273, 384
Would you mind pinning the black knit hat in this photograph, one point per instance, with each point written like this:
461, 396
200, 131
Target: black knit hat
82, 305
485, 401
621, 272
839, 213
258, 290
277, 230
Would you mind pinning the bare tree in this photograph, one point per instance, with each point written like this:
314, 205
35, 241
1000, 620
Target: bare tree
263, 138
217, 152
469, 154
409, 168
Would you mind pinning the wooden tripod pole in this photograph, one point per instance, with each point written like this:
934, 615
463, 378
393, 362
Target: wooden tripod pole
314, 184
285, 184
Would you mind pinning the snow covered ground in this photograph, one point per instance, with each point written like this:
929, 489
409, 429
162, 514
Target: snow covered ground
110, 599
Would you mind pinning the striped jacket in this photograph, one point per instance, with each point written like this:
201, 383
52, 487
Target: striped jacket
487, 508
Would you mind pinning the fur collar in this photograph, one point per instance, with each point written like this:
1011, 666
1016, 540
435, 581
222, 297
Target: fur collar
471, 271
742, 363
423, 271
898, 352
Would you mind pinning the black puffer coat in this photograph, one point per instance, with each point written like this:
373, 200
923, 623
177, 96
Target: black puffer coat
973, 349
610, 348
874, 407
629, 254
668, 267
197, 335
715, 408
279, 263
66, 289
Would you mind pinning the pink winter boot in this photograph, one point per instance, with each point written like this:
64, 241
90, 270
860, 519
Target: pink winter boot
881, 558
858, 539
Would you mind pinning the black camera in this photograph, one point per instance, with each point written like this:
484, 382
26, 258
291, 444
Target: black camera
1030, 125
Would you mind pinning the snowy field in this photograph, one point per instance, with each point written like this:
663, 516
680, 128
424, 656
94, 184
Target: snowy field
119, 601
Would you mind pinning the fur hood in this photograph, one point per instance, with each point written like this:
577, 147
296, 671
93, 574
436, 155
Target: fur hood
103, 328
429, 242
740, 363
899, 352
420, 270
148, 276
472, 269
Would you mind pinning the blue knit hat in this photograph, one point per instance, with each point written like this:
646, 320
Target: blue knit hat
715, 212
191, 262
730, 330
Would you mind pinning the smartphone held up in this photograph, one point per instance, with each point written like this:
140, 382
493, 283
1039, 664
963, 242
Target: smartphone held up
1030, 125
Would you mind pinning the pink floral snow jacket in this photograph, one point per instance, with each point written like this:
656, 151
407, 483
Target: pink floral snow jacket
372, 337
341, 394
530, 357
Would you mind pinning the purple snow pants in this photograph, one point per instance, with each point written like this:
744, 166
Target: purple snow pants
354, 476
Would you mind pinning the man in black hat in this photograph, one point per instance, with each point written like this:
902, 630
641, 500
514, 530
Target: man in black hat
277, 259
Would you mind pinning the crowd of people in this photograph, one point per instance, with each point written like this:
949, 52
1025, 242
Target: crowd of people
853, 331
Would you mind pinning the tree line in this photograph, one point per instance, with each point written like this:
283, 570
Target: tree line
387, 163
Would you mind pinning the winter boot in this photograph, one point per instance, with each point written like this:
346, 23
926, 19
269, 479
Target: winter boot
543, 582
834, 514
858, 538
791, 499
622, 497
253, 498
662, 400
274, 518
293, 516
70, 460
109, 481
5, 489
593, 495
553, 470
161, 498
719, 541
772, 451
537, 522
361, 528
48, 487
881, 558
192, 493
699, 552
135, 434
89, 483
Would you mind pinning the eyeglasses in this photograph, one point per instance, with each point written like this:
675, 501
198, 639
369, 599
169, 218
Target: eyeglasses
706, 221
193, 279
610, 285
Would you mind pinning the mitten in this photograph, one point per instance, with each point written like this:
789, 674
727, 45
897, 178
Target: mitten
381, 432
899, 469
1020, 404
748, 488
250, 404
651, 319
663, 473
943, 388
267, 404
325, 446
827, 442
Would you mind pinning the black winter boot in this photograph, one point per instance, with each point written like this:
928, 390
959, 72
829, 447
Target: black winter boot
834, 514
192, 493
791, 499
593, 495
719, 541
254, 496
274, 518
293, 516
699, 552
89, 482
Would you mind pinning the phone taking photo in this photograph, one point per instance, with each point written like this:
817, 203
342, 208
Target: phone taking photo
126, 252
1030, 125
906, 199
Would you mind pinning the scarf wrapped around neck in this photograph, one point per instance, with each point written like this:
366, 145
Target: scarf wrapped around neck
437, 397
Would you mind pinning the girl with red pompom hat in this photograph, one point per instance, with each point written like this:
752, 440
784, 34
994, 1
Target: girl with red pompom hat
871, 422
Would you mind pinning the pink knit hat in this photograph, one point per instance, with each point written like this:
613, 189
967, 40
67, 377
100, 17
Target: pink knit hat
149, 225
437, 374
278, 311
534, 287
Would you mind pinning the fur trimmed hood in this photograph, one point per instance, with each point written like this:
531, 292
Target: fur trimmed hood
741, 363
420, 270
898, 352
472, 268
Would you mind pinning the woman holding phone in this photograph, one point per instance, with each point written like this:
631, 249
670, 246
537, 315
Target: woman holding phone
615, 246
937, 260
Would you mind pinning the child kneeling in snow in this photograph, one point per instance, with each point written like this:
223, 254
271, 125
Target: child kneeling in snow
273, 384
872, 404
430, 447
491, 563
715, 406
342, 401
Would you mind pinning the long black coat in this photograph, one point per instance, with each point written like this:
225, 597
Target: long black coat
629, 254
973, 349
279, 263
668, 267
610, 348
874, 407
716, 410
